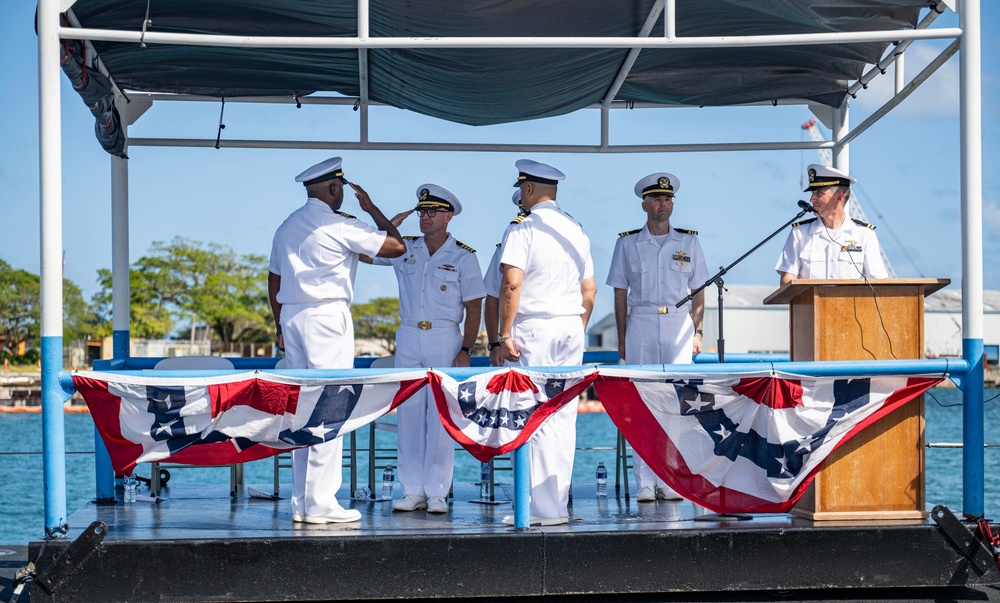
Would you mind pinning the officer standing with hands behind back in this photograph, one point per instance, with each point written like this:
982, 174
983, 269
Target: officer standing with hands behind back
546, 297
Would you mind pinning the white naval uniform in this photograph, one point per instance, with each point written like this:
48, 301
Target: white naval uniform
657, 272
432, 289
814, 251
492, 278
315, 252
554, 252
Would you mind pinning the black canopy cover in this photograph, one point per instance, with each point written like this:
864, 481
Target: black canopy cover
490, 86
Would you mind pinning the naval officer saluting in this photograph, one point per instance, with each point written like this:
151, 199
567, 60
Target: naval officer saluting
830, 245
314, 258
439, 283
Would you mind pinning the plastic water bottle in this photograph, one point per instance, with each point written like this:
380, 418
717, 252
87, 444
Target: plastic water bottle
602, 480
388, 480
130, 484
484, 481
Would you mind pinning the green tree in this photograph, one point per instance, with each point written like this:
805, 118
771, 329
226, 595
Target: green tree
20, 305
378, 320
212, 282
20, 309
148, 317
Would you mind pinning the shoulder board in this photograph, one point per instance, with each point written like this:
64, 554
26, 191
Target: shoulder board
410, 238
464, 246
629, 232
686, 231
809, 221
863, 223
346, 215
518, 219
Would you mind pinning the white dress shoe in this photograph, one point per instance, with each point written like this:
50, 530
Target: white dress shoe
338, 515
647, 494
410, 502
539, 521
437, 504
298, 518
668, 493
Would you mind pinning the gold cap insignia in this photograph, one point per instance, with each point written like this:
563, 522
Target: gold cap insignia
423, 194
812, 175
664, 182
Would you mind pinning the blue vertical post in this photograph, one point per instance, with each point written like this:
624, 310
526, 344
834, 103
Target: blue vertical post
53, 436
522, 488
973, 440
971, 126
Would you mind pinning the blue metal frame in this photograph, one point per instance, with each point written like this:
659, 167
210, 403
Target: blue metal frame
54, 396
938, 366
973, 437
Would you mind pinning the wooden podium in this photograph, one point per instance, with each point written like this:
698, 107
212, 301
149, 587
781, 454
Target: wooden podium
879, 473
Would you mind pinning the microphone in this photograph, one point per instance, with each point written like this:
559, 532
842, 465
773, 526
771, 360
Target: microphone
806, 206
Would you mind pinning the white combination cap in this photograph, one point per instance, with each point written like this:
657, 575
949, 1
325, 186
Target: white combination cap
533, 171
322, 171
660, 183
516, 197
821, 176
432, 196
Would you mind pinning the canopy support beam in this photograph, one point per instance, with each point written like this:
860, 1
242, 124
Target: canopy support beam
50, 191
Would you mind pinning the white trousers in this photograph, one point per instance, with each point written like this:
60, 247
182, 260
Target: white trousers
656, 339
426, 451
317, 336
551, 341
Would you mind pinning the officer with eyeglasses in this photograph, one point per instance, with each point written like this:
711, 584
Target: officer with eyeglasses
440, 290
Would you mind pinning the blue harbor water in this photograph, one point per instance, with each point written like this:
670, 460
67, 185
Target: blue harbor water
21, 512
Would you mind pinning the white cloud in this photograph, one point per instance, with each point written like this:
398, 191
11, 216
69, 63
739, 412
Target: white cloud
938, 96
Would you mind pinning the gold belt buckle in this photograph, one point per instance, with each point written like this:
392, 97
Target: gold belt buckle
424, 324
663, 309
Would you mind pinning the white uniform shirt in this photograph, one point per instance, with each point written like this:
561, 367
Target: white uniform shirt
315, 252
435, 287
554, 252
658, 274
813, 251
492, 279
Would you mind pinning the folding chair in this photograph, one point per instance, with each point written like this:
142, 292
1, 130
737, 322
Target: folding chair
181, 363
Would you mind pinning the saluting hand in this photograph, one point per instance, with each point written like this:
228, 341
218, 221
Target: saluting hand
364, 201
397, 220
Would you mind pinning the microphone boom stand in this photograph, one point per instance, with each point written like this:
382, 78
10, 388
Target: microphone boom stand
717, 279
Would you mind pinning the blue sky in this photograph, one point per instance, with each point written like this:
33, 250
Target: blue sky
907, 166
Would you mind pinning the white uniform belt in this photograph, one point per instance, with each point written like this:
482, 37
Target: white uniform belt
431, 324
654, 310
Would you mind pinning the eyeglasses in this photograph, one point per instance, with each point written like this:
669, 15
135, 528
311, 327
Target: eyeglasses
430, 213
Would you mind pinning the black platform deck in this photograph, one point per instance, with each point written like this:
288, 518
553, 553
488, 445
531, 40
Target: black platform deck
200, 545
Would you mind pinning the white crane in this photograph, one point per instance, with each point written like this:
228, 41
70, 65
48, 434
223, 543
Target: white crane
853, 208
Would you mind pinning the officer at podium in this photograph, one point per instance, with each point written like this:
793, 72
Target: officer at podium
831, 245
